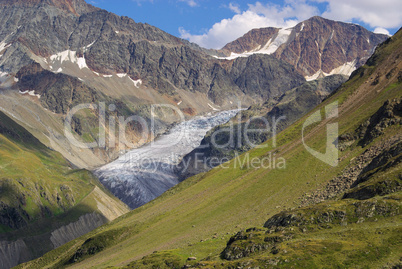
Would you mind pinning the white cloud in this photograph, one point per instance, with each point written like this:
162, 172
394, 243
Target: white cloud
235, 8
191, 3
376, 13
292, 9
257, 16
140, 1
380, 30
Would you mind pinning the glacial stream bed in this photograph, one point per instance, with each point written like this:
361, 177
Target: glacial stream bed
145, 173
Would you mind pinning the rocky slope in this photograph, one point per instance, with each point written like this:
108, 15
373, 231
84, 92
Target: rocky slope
275, 114
371, 194
316, 47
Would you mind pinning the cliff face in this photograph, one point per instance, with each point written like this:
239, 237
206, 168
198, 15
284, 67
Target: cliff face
316, 47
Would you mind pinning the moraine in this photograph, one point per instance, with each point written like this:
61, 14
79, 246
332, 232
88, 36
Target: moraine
143, 174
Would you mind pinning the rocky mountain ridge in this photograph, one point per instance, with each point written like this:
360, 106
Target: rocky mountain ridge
130, 64
316, 47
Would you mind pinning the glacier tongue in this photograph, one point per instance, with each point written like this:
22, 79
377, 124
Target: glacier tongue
145, 173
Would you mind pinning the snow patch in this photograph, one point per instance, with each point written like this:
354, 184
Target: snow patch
315, 76
232, 56
96, 73
116, 32
107, 76
68, 56
281, 38
121, 75
136, 82
269, 48
90, 45
332, 35
213, 108
16, 80
3, 76
345, 69
302, 27
31, 93
82, 63
3, 45
179, 103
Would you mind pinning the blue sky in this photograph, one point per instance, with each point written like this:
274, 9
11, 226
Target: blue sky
212, 24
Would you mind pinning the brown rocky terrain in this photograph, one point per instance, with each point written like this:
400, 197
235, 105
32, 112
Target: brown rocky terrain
316, 47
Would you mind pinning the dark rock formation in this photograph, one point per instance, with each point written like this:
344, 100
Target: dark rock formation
389, 114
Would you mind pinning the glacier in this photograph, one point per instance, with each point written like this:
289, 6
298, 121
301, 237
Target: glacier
145, 173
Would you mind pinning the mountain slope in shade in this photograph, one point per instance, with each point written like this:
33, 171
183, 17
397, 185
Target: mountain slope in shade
316, 47
42, 199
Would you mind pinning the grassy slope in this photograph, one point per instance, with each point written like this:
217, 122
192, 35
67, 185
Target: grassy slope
40, 184
224, 201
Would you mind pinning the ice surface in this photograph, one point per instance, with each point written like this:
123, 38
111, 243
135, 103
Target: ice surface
143, 174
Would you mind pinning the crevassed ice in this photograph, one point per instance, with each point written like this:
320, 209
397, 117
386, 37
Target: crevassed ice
143, 174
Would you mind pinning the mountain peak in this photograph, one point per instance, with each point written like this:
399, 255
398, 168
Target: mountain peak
76, 7
316, 47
